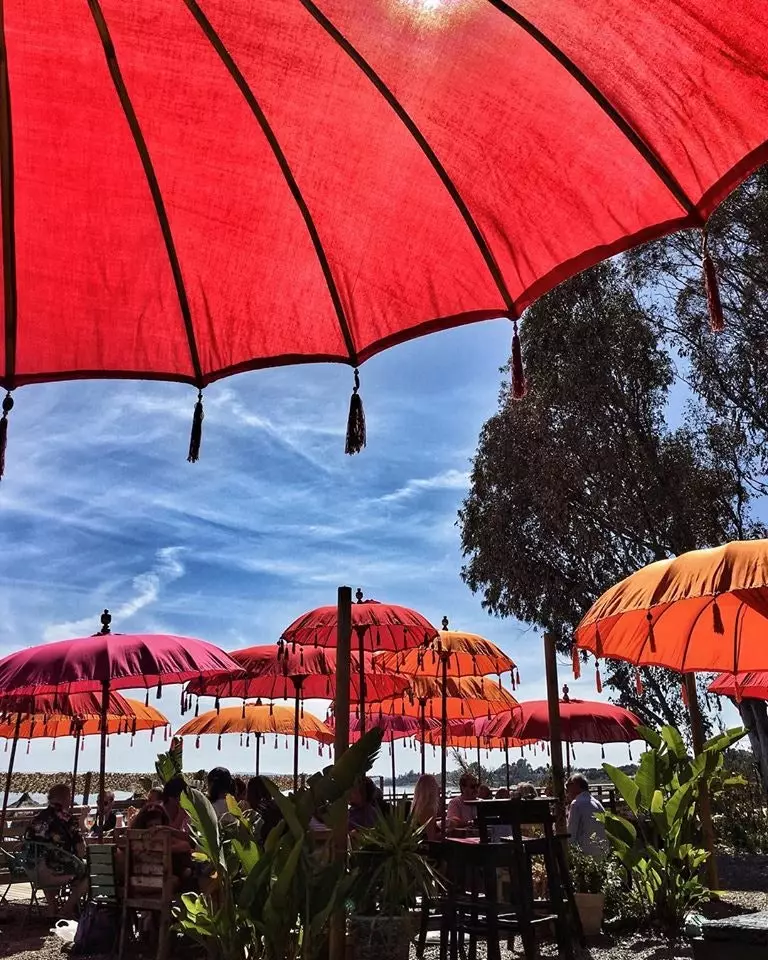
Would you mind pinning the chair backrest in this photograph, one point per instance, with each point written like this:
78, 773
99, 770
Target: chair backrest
102, 883
148, 865
514, 814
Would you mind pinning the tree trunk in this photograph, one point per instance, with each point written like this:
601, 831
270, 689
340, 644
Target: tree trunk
754, 715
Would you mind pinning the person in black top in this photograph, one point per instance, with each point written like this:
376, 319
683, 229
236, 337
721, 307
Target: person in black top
106, 802
261, 802
56, 847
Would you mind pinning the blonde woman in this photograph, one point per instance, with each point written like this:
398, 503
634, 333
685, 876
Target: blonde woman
425, 808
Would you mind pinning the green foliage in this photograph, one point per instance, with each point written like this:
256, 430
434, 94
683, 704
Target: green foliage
169, 765
391, 865
588, 874
659, 845
740, 815
272, 901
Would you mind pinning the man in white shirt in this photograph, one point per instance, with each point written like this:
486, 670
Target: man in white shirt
586, 831
460, 813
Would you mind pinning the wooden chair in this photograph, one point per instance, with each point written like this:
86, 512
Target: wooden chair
549, 848
149, 884
102, 879
49, 870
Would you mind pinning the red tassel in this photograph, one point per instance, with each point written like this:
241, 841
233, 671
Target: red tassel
717, 620
7, 407
716, 319
356, 438
651, 638
685, 694
519, 383
196, 435
598, 678
576, 662
638, 682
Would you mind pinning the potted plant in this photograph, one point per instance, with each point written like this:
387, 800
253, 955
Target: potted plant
589, 876
392, 870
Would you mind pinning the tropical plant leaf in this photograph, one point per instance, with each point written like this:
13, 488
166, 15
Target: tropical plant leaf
627, 787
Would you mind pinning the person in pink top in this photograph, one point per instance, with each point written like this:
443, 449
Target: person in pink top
461, 812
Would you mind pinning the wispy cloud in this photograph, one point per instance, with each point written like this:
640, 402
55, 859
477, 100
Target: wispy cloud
146, 588
447, 480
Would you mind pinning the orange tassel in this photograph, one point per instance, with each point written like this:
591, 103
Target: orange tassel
638, 682
576, 662
519, 383
598, 678
651, 638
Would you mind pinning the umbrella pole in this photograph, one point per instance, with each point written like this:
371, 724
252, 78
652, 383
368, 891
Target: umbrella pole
103, 754
296, 706
394, 789
361, 667
479, 769
568, 758
258, 749
8, 776
444, 736
74, 767
705, 810
423, 707
337, 934
555, 737
506, 757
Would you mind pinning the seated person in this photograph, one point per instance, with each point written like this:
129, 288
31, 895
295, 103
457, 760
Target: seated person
178, 818
461, 813
502, 794
240, 791
105, 804
425, 809
262, 807
363, 809
484, 792
586, 831
59, 835
155, 795
220, 785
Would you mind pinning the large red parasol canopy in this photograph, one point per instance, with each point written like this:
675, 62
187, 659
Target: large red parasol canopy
581, 721
197, 188
306, 673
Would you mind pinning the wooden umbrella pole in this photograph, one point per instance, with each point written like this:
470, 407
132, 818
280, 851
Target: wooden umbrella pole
423, 724
444, 736
479, 768
296, 707
258, 749
555, 736
8, 775
506, 757
74, 766
361, 668
337, 946
103, 754
394, 789
705, 808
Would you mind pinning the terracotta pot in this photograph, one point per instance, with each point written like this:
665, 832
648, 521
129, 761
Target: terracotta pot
590, 907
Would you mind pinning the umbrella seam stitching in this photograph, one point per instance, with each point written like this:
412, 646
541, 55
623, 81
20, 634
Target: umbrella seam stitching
359, 60
256, 109
152, 182
623, 125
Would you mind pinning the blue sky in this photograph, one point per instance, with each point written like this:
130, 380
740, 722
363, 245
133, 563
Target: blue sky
100, 508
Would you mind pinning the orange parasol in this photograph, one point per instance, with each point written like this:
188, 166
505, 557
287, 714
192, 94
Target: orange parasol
131, 716
259, 719
706, 610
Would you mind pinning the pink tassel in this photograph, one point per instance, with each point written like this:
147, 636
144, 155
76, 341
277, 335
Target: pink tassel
638, 682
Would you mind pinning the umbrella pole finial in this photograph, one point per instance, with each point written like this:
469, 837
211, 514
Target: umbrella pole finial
711, 288
7, 407
106, 621
519, 383
196, 434
356, 438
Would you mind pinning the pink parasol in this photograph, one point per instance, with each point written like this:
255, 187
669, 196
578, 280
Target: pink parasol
106, 662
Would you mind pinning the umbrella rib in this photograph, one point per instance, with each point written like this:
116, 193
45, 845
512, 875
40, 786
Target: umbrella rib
8, 217
152, 182
411, 126
242, 84
625, 127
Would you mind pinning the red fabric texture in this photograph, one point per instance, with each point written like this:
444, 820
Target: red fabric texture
308, 673
381, 626
66, 705
581, 721
443, 161
753, 686
121, 661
